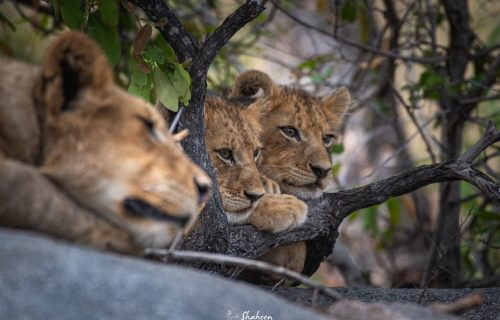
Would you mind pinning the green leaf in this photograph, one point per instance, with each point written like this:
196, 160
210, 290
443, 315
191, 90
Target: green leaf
186, 98
165, 89
369, 220
494, 36
348, 11
489, 215
106, 38
109, 11
165, 47
308, 64
182, 83
153, 53
139, 78
338, 148
336, 168
139, 91
72, 13
429, 79
183, 73
393, 206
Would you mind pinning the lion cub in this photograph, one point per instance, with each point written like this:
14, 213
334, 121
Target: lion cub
83, 160
297, 134
234, 147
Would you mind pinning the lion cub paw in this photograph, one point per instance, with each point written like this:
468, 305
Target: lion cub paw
270, 185
278, 212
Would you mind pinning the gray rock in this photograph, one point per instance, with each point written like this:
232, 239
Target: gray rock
41, 278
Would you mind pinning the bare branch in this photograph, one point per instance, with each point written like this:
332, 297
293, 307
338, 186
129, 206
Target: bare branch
222, 259
357, 45
489, 137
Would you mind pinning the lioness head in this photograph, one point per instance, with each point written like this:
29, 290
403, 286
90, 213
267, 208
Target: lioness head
232, 140
299, 131
111, 151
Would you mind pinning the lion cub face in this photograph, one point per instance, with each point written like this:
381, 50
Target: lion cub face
234, 147
299, 131
111, 151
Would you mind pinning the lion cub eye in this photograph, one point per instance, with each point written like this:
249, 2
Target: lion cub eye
226, 154
328, 139
256, 154
290, 132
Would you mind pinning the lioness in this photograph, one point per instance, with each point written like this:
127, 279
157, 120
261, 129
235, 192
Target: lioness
234, 148
83, 160
298, 133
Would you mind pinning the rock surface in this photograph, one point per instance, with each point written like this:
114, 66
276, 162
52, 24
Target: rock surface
44, 279
489, 310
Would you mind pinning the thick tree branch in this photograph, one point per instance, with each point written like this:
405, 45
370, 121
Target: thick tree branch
326, 213
237, 20
213, 232
181, 40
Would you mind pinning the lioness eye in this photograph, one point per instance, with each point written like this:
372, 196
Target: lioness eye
150, 126
256, 154
226, 154
328, 139
291, 132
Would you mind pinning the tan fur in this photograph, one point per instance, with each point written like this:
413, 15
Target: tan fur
97, 144
238, 129
285, 160
290, 161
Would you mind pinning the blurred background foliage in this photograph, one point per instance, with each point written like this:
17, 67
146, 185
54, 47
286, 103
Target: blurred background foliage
423, 93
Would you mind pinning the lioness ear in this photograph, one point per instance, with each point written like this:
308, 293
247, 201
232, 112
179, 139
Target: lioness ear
336, 106
73, 62
253, 83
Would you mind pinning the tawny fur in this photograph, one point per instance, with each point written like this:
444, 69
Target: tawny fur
74, 146
286, 160
238, 129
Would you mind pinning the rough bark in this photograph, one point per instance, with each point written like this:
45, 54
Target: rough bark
455, 115
214, 226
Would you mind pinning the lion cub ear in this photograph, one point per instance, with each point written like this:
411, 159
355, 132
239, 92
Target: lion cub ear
336, 106
255, 84
73, 62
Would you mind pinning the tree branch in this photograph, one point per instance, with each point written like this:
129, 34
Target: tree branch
326, 213
222, 259
370, 49
213, 233
181, 40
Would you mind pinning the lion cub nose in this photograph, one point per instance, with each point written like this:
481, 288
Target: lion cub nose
253, 196
319, 171
204, 188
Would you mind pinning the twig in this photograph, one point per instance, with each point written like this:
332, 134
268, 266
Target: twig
415, 122
355, 44
243, 263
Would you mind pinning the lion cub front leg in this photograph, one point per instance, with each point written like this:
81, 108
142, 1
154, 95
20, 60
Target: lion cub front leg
278, 212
